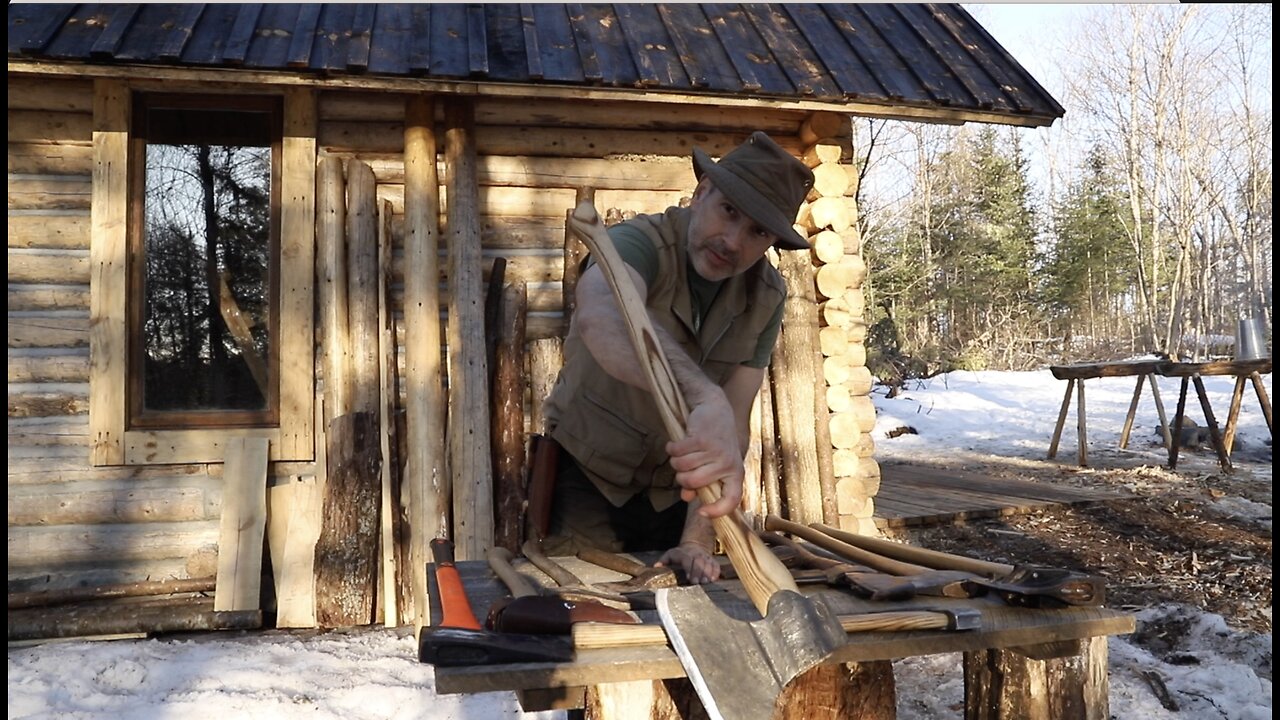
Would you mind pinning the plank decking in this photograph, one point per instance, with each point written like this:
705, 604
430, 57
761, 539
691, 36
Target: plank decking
914, 495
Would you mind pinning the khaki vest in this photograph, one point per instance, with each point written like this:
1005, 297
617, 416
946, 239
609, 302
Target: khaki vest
614, 430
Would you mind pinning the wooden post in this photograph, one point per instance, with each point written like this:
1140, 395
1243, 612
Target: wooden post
508, 420
331, 275
546, 356
574, 251
470, 468
347, 551
425, 466
388, 401
1004, 684
794, 377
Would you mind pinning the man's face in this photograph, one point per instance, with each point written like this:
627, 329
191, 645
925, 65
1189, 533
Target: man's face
723, 240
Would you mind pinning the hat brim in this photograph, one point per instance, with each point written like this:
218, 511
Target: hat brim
749, 200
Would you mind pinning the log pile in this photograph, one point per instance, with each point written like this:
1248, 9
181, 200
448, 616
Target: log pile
844, 407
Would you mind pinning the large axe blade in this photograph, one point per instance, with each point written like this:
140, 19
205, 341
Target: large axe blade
762, 575
740, 668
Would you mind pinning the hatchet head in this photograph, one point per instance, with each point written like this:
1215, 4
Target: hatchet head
737, 666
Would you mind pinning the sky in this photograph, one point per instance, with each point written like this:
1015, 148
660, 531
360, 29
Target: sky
374, 674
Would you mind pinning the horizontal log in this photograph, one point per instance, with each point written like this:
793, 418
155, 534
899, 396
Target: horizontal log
838, 397
93, 504
44, 126
60, 399
33, 365
859, 418
77, 621
59, 267
49, 330
50, 94
50, 159
48, 297
852, 240
70, 430
835, 279
833, 340
558, 172
821, 125
828, 246
826, 213
560, 113
49, 192
41, 471
67, 544
105, 571
830, 180
850, 500
514, 201
827, 150
836, 369
66, 230
843, 311
388, 137
150, 588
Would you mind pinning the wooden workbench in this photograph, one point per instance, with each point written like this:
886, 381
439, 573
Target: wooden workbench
1076, 374
1192, 372
1018, 659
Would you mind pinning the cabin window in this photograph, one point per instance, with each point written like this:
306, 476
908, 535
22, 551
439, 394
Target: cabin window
204, 239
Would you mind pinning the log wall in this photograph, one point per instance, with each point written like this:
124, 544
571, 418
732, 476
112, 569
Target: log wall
73, 524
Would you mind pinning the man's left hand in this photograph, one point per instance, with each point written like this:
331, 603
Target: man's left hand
699, 565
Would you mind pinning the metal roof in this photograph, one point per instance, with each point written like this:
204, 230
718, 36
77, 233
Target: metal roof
933, 58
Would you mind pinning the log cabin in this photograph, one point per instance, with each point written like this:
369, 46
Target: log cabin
286, 282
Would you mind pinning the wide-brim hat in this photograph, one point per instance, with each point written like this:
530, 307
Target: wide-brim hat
764, 181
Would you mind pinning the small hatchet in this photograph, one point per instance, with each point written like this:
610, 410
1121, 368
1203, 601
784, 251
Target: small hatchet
745, 683
458, 638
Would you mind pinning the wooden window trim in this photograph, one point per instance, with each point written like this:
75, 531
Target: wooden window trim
112, 442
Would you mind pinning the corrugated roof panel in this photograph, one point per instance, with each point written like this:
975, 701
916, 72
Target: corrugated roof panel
924, 56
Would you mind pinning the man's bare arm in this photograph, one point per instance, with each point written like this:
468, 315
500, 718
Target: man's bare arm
604, 331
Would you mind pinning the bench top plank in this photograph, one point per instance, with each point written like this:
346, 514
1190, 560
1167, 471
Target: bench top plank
1002, 627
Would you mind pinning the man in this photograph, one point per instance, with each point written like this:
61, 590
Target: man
716, 304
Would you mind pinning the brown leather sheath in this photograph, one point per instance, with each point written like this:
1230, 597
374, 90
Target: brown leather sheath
544, 455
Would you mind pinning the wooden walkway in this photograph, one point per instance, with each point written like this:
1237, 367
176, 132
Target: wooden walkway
914, 495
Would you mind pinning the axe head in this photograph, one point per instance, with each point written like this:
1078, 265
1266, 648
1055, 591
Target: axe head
454, 647
739, 667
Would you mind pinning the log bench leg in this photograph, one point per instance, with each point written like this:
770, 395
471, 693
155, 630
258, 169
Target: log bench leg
1008, 685
1133, 409
1082, 436
1177, 424
1263, 400
850, 691
1062, 419
1214, 435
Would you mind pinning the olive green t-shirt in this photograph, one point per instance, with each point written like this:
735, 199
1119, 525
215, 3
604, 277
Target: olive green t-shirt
638, 251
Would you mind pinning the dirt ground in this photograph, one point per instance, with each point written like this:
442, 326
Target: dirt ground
1197, 536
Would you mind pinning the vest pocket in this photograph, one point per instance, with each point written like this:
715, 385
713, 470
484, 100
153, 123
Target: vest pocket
605, 442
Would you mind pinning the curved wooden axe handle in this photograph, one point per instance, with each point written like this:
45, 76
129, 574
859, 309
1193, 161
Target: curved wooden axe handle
759, 570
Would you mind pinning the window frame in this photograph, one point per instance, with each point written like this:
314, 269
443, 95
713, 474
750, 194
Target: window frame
137, 416
111, 441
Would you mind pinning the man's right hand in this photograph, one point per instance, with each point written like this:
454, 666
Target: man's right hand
710, 452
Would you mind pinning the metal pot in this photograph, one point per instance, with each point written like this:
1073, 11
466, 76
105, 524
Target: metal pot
1251, 342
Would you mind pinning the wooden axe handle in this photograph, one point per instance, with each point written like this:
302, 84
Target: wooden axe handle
760, 572
845, 550
594, 636
500, 563
934, 559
